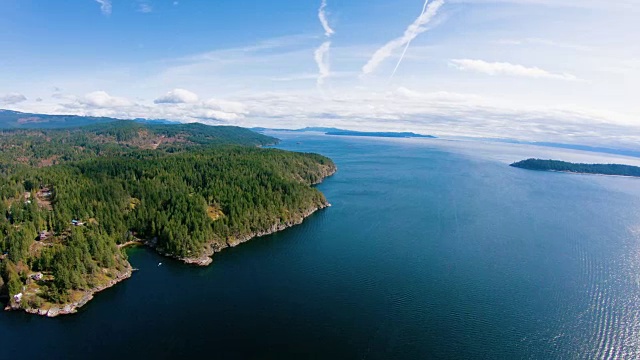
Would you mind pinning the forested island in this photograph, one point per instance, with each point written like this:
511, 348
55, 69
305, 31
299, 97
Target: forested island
378, 134
72, 199
563, 166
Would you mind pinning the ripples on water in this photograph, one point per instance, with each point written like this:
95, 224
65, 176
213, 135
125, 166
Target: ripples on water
588, 307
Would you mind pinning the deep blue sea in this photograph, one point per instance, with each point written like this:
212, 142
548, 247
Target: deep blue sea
433, 249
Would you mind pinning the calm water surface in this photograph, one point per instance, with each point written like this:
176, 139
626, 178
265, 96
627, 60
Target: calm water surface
432, 249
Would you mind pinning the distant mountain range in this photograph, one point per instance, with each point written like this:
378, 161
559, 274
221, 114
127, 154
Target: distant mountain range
18, 120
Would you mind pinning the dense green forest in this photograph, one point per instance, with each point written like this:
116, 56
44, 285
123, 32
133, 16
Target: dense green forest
68, 198
555, 165
35, 147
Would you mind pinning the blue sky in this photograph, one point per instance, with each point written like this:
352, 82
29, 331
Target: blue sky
553, 70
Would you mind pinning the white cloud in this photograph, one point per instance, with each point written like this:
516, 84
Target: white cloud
217, 115
177, 96
12, 98
322, 15
504, 68
415, 29
321, 56
544, 42
99, 103
226, 106
101, 99
105, 6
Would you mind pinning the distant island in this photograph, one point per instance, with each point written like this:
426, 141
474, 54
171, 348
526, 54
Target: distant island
563, 166
342, 132
71, 200
378, 134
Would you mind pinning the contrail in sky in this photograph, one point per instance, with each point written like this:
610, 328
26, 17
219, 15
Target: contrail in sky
322, 15
404, 52
418, 27
321, 54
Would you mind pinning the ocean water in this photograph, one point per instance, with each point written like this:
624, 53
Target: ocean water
432, 249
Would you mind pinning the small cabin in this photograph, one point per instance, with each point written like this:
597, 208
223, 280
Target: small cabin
17, 297
43, 235
37, 276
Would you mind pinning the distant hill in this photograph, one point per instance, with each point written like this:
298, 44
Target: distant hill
45, 147
18, 120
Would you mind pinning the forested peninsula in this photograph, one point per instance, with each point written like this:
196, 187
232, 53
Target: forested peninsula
563, 166
72, 199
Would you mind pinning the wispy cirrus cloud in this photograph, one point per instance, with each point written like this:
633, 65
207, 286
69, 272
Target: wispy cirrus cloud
105, 6
505, 68
430, 10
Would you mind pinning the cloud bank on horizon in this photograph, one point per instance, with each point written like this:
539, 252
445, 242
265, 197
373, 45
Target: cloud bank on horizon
525, 69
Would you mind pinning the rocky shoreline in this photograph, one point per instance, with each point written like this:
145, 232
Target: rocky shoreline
72, 308
206, 258
212, 248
